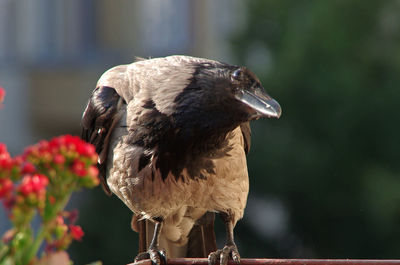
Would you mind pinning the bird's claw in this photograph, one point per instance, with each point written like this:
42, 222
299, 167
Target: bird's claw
156, 256
229, 251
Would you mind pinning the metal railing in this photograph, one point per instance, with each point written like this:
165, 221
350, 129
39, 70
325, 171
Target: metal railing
203, 261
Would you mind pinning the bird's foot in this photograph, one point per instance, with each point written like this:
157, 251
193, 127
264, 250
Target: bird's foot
156, 256
229, 251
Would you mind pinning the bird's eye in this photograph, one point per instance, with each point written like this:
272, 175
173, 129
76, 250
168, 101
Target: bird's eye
237, 74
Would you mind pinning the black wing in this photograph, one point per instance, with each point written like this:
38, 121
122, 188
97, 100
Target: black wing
98, 121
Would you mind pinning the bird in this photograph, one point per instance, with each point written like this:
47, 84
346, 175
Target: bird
172, 134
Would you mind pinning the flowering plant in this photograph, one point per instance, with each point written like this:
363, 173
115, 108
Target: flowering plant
40, 183
2, 94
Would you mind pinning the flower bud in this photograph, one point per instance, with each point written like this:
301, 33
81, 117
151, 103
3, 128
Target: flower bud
59, 159
27, 168
76, 232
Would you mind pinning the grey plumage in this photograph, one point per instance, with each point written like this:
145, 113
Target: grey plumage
172, 134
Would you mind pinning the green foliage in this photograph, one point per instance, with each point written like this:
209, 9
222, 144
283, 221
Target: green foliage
332, 158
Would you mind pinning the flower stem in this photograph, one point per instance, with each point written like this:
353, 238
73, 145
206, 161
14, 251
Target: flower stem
44, 230
35, 246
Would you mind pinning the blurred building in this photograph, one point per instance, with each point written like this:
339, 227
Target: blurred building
52, 52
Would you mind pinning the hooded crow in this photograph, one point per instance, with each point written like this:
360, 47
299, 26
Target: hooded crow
172, 136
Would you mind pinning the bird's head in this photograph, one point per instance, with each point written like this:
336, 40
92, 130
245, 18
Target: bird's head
247, 89
220, 96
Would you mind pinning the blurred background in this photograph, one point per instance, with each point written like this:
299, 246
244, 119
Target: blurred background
324, 179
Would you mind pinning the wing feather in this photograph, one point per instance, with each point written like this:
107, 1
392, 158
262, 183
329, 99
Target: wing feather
98, 122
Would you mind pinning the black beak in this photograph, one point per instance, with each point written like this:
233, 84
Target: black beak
261, 102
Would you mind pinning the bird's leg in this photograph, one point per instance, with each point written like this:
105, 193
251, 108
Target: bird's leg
153, 253
230, 250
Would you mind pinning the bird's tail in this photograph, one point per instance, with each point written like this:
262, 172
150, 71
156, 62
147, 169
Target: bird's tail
201, 239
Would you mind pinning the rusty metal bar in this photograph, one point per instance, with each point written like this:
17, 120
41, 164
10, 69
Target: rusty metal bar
203, 261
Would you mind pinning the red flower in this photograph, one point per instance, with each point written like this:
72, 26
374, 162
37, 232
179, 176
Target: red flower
55, 143
39, 182
78, 167
19, 160
85, 149
33, 184
59, 159
6, 186
31, 150
76, 232
93, 171
28, 168
69, 141
2, 94
3, 149
26, 186
6, 163
5, 159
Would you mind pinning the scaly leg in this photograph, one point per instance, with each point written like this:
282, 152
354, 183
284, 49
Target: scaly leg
230, 249
153, 253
